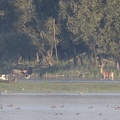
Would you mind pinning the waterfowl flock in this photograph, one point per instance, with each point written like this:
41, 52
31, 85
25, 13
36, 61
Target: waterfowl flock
9, 106
14, 74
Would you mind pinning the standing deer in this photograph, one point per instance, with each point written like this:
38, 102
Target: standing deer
106, 74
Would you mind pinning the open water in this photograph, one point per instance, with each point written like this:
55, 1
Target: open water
59, 106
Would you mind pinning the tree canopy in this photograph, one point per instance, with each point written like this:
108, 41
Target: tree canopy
59, 29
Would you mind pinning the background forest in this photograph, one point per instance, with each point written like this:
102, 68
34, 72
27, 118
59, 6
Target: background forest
82, 33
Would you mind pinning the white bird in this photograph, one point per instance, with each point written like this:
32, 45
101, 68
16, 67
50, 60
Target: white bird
3, 77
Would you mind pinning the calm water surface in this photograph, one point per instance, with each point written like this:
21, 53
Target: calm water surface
59, 106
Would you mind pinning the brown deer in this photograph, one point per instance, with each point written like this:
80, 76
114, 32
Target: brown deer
106, 74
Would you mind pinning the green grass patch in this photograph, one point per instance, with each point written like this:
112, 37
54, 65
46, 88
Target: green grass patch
41, 87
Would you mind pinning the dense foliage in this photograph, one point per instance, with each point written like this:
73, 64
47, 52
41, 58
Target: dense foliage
52, 30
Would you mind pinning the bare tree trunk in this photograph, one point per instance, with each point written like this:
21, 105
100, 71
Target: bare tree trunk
117, 62
94, 54
100, 60
89, 57
80, 59
56, 53
37, 57
20, 60
74, 54
47, 59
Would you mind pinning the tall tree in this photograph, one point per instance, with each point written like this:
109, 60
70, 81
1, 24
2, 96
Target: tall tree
110, 33
88, 19
81, 20
8, 16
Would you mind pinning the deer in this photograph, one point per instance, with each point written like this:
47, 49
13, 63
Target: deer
106, 74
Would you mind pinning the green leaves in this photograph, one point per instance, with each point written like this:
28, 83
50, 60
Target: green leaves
64, 23
95, 21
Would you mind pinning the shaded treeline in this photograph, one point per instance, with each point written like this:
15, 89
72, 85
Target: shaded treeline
52, 30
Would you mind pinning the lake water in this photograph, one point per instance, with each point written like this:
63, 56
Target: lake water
59, 106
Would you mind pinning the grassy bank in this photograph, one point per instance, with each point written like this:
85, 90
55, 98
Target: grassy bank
71, 71
61, 69
43, 87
